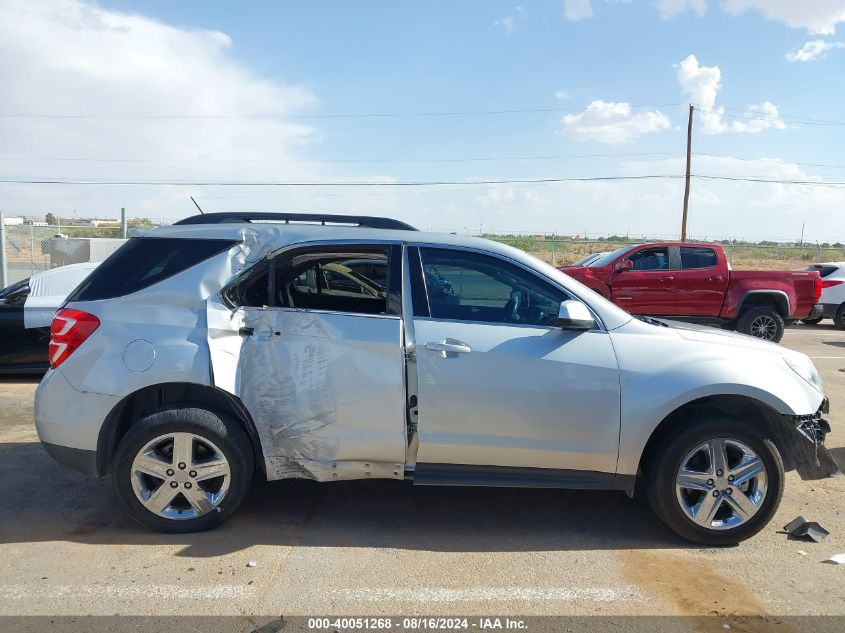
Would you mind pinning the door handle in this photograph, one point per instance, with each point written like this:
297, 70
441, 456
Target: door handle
448, 346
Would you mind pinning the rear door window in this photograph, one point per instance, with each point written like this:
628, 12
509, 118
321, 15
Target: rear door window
144, 261
698, 257
352, 279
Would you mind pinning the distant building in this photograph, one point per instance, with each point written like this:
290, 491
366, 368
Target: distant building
95, 222
13, 221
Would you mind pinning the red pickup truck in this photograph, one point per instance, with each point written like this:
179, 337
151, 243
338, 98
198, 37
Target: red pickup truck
694, 282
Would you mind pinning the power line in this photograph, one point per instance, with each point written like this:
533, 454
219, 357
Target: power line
344, 161
356, 115
420, 183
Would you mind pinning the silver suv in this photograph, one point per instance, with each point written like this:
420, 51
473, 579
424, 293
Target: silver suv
341, 347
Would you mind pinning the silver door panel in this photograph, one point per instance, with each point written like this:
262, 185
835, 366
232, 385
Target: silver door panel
523, 396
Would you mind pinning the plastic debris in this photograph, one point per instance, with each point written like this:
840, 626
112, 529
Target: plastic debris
801, 552
801, 528
252, 563
836, 559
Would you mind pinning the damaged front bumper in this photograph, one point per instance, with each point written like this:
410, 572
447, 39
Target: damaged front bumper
801, 439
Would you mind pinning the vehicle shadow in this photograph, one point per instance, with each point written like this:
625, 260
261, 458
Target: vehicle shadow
43, 501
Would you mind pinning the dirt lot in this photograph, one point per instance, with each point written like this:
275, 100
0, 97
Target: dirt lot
390, 548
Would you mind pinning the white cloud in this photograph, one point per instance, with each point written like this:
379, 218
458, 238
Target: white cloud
816, 16
812, 50
819, 16
701, 84
74, 57
562, 95
669, 9
612, 123
574, 10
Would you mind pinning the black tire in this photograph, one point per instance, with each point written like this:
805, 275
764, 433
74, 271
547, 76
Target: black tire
839, 319
815, 321
224, 433
746, 322
665, 463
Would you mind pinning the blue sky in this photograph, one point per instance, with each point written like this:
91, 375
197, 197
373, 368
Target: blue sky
610, 82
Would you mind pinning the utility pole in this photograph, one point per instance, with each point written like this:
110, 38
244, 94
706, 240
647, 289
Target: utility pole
686, 187
123, 227
802, 234
4, 275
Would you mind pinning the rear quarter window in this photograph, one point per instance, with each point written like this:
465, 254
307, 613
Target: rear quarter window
144, 261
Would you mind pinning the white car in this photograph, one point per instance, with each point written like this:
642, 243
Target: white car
833, 293
26, 311
228, 345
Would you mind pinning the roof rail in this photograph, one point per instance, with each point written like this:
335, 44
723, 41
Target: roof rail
312, 218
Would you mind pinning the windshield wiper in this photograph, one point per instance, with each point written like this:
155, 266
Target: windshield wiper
651, 321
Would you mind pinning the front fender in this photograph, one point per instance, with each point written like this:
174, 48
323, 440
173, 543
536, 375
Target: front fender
660, 372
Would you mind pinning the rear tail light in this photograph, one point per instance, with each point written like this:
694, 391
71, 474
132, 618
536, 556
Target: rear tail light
68, 331
817, 288
831, 283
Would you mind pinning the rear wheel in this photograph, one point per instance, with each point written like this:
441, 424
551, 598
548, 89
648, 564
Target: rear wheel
183, 469
839, 319
718, 482
763, 322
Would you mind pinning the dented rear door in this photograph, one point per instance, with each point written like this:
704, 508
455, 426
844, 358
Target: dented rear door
325, 387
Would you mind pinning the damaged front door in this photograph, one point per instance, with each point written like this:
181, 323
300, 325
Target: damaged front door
315, 335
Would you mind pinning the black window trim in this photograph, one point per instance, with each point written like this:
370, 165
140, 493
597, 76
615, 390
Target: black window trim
480, 251
394, 262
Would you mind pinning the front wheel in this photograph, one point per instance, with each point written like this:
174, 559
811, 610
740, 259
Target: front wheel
718, 482
183, 469
763, 322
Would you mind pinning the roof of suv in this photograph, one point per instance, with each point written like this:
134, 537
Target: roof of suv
282, 233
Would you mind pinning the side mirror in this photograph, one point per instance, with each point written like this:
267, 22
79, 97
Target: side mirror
574, 315
625, 264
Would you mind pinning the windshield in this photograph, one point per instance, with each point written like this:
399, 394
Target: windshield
605, 259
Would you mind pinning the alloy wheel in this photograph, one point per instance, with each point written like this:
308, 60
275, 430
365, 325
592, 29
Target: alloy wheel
764, 327
180, 476
721, 484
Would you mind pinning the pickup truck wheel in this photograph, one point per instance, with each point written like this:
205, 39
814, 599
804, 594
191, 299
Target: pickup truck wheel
839, 319
815, 321
718, 482
763, 322
182, 469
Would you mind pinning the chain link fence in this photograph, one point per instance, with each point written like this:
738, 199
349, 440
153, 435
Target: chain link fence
31, 248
